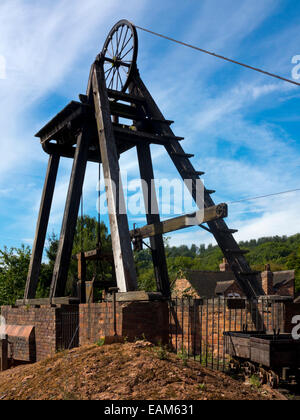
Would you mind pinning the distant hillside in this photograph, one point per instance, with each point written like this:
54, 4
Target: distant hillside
283, 253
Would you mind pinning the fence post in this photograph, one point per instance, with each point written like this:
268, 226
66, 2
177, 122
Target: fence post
4, 353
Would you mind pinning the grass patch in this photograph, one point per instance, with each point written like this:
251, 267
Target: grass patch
184, 356
101, 342
161, 352
255, 382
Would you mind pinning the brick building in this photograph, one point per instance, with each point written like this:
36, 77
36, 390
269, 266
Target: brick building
209, 284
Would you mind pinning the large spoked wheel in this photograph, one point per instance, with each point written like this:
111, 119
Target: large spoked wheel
120, 54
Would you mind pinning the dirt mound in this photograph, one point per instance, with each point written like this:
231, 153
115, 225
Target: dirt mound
128, 371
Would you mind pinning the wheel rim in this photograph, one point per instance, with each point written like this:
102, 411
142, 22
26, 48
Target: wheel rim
120, 54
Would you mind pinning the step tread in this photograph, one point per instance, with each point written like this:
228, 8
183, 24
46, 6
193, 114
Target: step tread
141, 134
183, 155
126, 97
231, 231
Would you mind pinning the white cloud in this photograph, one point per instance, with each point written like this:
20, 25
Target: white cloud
44, 44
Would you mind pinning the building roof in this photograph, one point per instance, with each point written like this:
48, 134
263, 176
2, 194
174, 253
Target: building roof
223, 286
205, 282
281, 278
208, 284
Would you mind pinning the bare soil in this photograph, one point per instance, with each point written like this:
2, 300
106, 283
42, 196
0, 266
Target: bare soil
131, 371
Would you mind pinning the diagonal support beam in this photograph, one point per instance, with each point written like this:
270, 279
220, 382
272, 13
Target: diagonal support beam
63, 258
182, 222
121, 242
41, 228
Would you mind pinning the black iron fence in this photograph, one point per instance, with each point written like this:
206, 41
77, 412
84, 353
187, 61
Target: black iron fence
197, 326
68, 331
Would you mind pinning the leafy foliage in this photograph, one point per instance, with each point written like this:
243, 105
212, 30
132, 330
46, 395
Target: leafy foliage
282, 253
86, 239
14, 264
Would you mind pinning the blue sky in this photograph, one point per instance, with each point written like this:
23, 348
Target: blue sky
243, 127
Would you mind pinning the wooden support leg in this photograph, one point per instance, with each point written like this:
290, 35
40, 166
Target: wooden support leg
81, 277
152, 212
121, 242
41, 229
62, 263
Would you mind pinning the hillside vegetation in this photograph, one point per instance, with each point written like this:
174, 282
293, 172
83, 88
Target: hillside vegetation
281, 252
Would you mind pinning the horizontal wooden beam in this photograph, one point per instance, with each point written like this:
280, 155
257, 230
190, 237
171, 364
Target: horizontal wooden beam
124, 133
47, 301
96, 254
188, 220
72, 112
120, 96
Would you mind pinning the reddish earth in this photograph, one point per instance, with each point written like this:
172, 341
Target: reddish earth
131, 371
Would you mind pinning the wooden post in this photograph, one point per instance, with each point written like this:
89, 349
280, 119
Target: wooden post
152, 214
81, 285
62, 263
121, 242
41, 228
3, 353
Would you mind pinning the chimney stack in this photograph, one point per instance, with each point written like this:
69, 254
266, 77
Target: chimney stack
267, 281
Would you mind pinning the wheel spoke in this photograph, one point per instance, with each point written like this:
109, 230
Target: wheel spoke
127, 43
124, 40
117, 81
123, 64
112, 79
120, 36
127, 53
107, 51
120, 79
112, 46
109, 73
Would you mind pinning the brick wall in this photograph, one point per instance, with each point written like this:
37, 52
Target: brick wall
47, 324
195, 325
96, 321
133, 320
198, 328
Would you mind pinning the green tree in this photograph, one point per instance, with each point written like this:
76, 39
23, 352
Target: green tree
86, 239
14, 263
